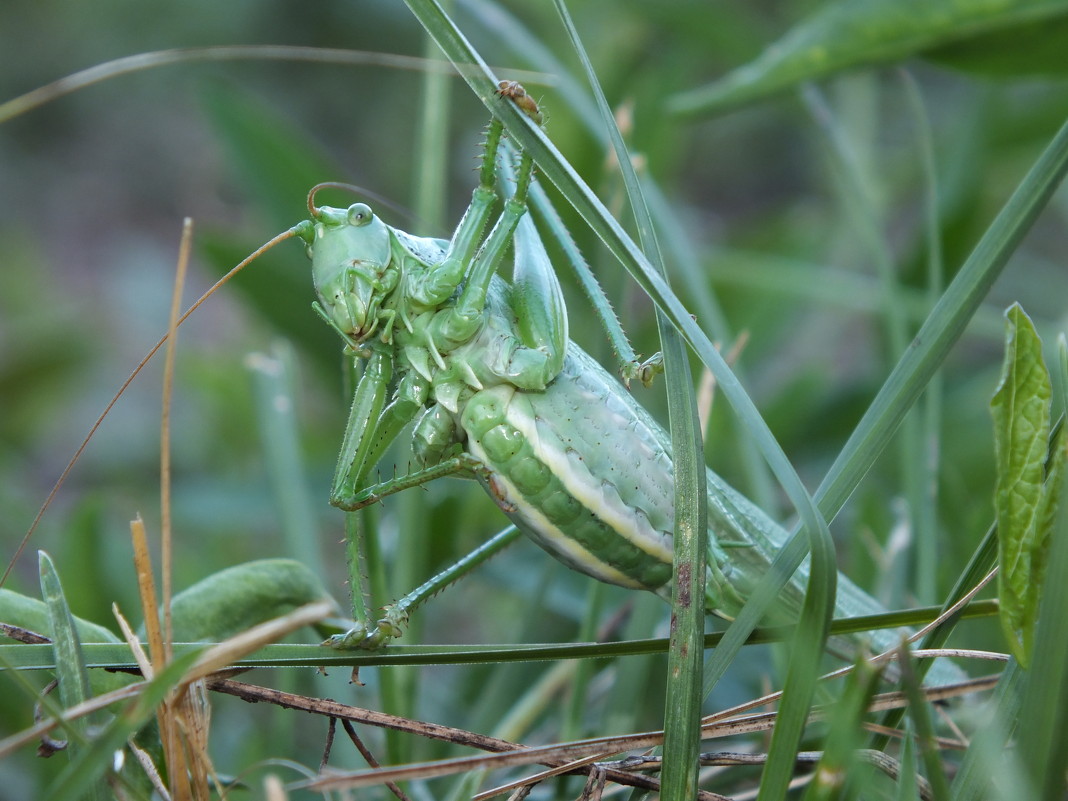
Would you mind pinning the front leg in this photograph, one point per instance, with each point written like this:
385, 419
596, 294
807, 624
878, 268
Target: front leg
370, 428
438, 283
371, 636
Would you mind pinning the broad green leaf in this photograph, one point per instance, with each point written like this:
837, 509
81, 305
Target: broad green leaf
1033, 48
852, 33
239, 597
1042, 739
1021, 410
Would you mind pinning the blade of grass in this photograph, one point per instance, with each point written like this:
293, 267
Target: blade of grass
835, 777
989, 770
114, 655
926, 505
944, 325
70, 671
848, 34
431, 166
162, 58
690, 538
818, 604
275, 383
906, 780
70, 663
87, 770
558, 171
920, 715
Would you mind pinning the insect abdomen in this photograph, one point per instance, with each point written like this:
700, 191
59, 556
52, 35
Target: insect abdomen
544, 480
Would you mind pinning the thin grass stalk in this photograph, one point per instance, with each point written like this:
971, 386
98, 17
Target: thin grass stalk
819, 601
274, 378
920, 715
865, 218
113, 655
682, 742
186, 779
863, 213
275, 395
989, 770
835, 776
557, 170
939, 332
400, 686
572, 725
186, 55
169, 355
927, 539
432, 142
906, 781
944, 325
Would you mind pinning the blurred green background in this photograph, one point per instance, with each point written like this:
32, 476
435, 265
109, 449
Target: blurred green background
94, 186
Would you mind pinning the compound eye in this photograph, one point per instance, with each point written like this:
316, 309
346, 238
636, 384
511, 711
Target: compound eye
360, 214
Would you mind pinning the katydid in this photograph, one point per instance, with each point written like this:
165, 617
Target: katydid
504, 397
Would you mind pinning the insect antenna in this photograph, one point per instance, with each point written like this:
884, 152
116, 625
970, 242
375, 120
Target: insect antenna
129, 380
379, 199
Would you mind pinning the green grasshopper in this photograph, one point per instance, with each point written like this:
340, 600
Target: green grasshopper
504, 397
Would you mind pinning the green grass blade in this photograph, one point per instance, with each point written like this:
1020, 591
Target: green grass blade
944, 325
925, 492
806, 652
274, 389
989, 770
70, 665
558, 171
431, 146
87, 770
858, 32
920, 715
906, 780
835, 776
685, 654
105, 655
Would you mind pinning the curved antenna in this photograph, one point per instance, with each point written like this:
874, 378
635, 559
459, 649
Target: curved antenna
356, 189
129, 380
